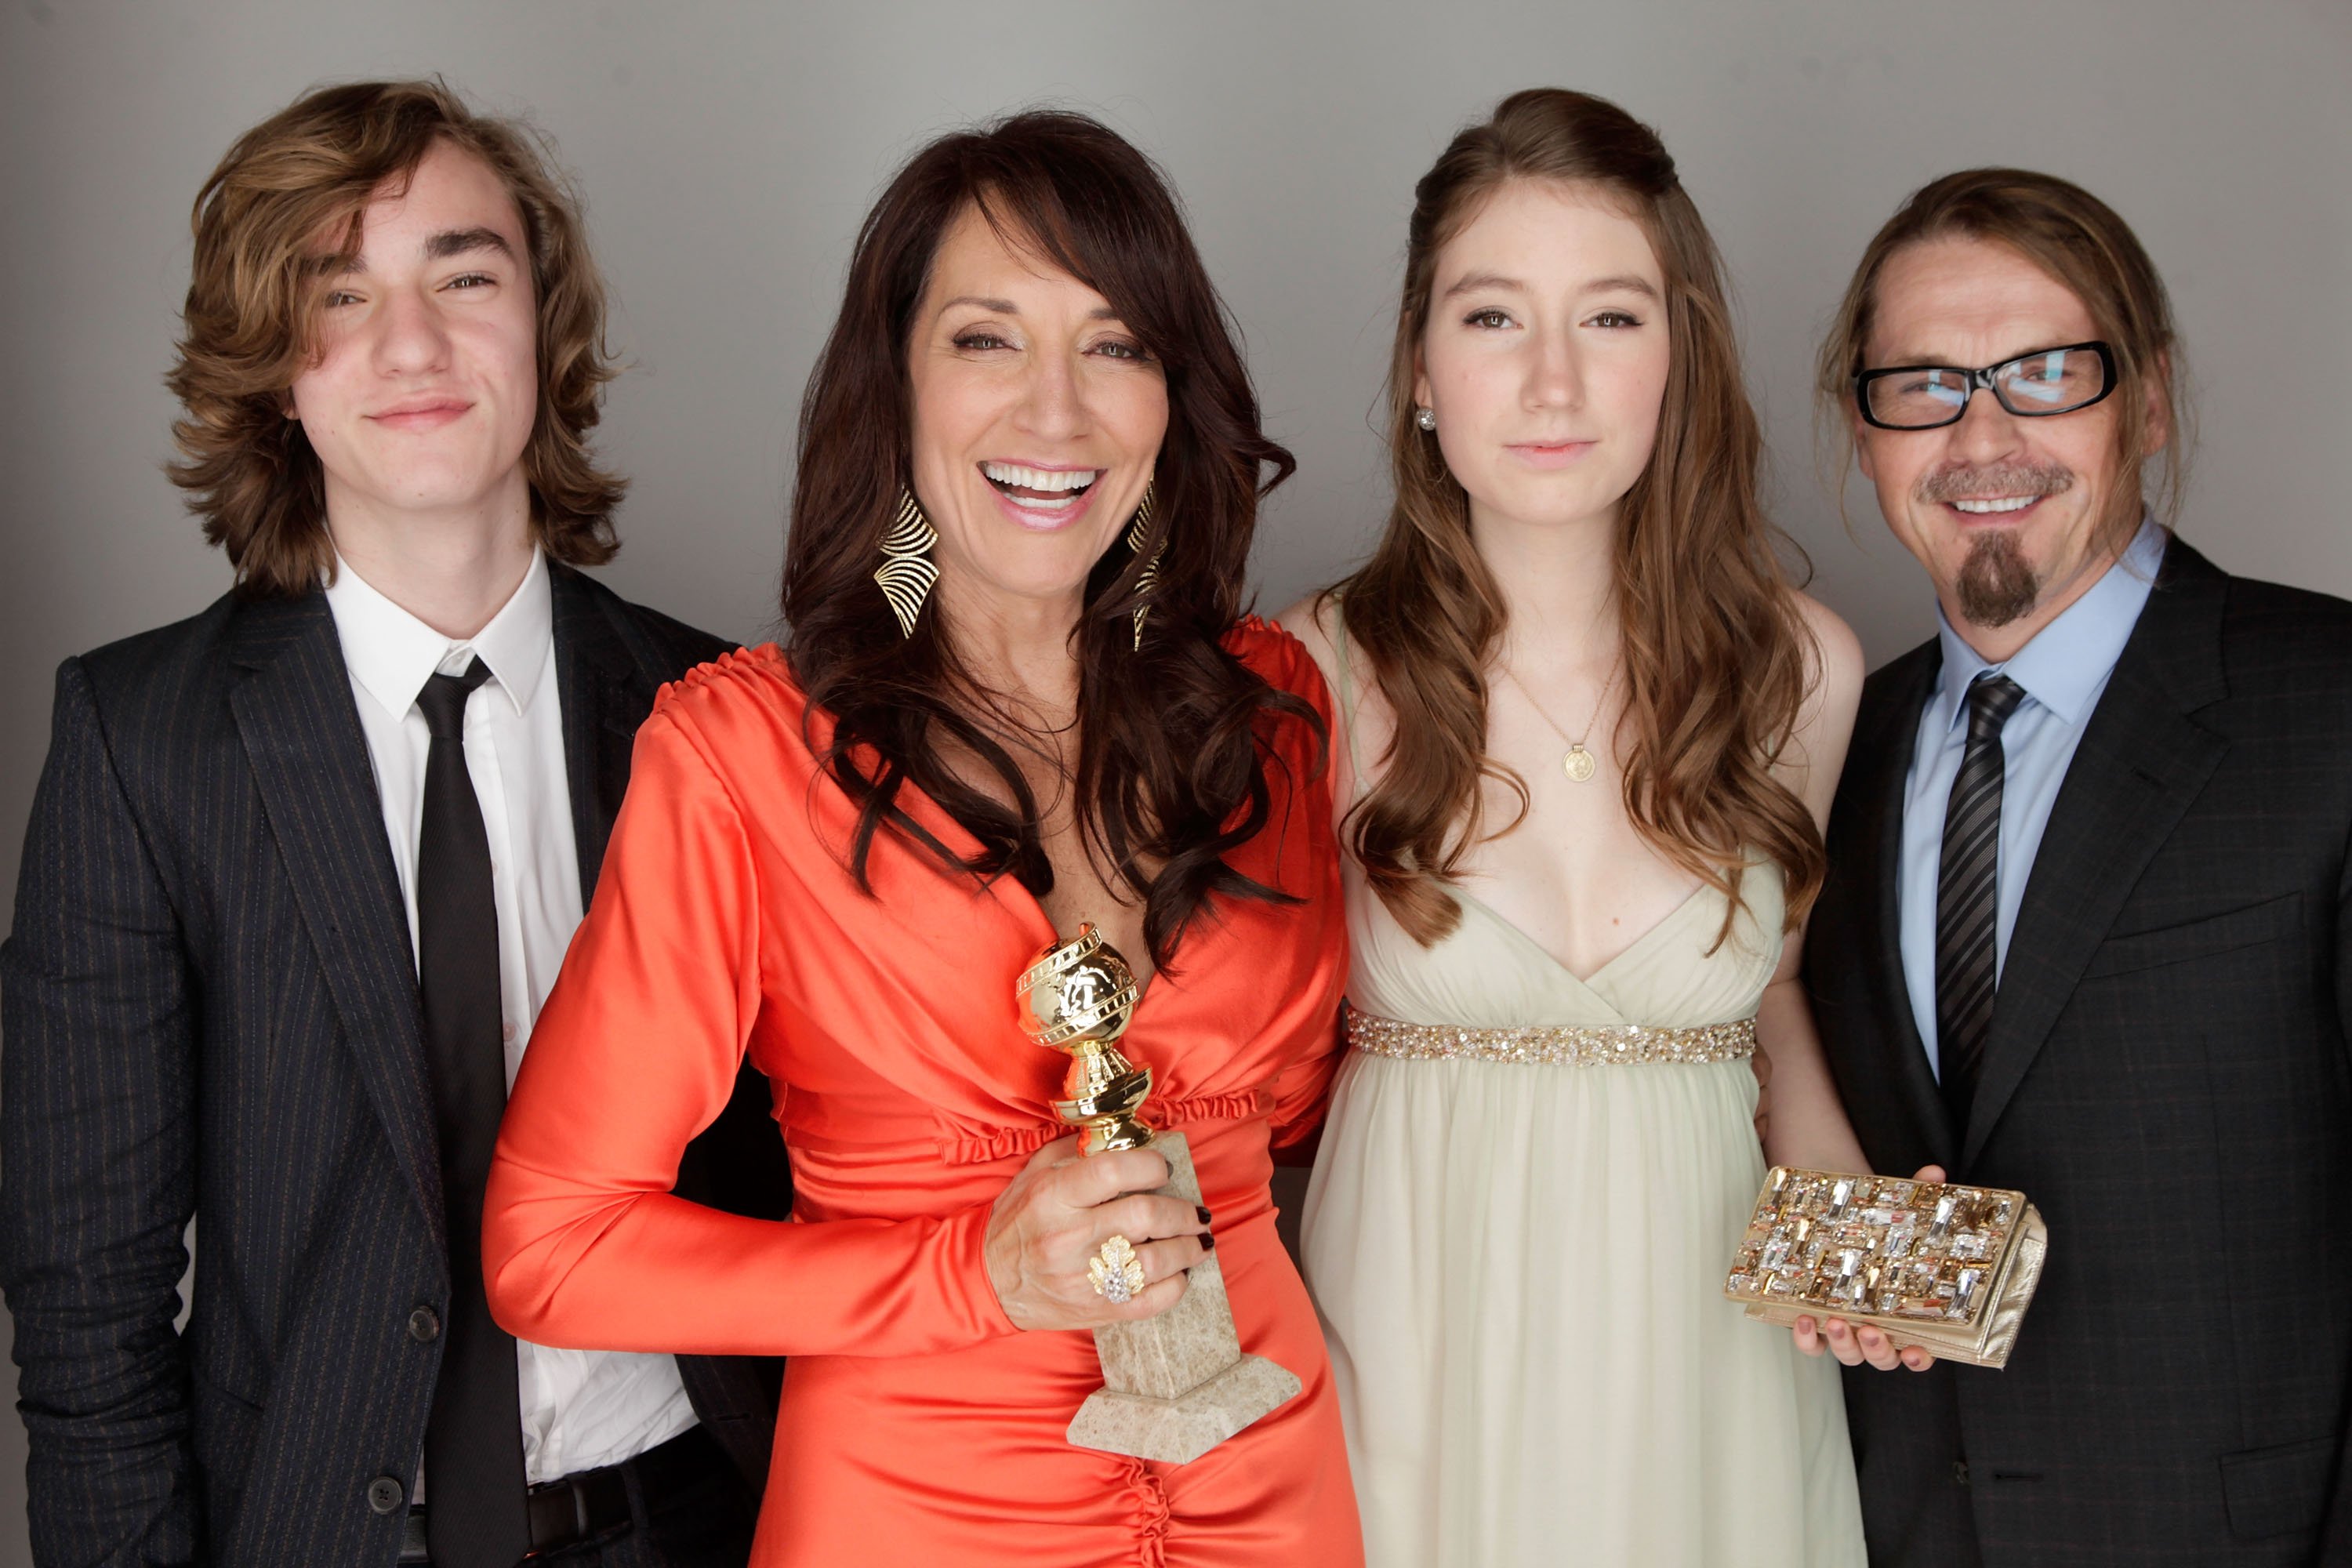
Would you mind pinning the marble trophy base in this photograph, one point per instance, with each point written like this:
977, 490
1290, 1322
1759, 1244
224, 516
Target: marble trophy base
1176, 1385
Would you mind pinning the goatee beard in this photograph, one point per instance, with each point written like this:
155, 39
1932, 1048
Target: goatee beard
1997, 583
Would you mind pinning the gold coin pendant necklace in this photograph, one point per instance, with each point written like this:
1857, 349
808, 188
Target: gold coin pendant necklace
1578, 763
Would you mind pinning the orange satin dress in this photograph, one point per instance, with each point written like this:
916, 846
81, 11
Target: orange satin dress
918, 1425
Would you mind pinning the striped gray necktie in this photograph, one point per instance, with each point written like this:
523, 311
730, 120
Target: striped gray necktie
1966, 895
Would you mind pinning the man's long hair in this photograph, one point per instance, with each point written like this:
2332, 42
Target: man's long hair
284, 205
2081, 242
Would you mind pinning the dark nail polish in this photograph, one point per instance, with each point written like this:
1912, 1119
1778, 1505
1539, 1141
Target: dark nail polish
1208, 1242
1201, 1212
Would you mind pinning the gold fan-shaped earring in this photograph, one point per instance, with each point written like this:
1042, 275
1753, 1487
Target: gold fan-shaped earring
1136, 531
907, 571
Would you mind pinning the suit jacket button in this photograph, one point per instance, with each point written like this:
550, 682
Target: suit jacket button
386, 1493
424, 1325
1960, 1471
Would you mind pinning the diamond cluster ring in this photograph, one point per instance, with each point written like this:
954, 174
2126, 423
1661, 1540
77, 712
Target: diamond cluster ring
1116, 1272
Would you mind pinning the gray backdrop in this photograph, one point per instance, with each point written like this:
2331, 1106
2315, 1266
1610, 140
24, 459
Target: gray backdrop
728, 153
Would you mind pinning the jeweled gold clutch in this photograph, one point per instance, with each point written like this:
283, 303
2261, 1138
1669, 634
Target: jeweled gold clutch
1947, 1268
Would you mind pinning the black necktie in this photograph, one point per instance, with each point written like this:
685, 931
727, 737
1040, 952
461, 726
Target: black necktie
1967, 901
473, 1441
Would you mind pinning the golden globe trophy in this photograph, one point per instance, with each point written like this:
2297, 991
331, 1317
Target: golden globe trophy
1176, 1385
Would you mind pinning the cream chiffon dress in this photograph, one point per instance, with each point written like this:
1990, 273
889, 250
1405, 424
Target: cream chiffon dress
1519, 1266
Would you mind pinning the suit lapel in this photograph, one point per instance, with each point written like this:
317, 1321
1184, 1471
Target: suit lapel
1885, 758
606, 696
294, 711
2141, 763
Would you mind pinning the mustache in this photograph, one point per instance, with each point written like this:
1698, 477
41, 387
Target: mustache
1991, 481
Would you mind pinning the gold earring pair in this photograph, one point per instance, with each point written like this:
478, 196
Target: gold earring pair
907, 573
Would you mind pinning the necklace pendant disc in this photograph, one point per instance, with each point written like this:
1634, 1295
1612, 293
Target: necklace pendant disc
1578, 764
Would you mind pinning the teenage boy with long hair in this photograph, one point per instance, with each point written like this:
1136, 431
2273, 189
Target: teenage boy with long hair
300, 873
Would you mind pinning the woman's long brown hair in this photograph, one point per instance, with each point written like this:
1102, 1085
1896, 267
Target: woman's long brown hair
1715, 652
1173, 738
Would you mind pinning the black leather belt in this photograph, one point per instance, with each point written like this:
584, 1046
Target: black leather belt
590, 1502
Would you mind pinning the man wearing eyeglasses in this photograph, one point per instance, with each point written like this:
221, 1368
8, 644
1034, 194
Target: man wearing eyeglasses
2084, 929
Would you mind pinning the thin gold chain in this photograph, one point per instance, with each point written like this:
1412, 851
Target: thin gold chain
1575, 742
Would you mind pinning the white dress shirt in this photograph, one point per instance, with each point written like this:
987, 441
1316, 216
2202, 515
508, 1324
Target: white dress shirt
581, 1409
2065, 672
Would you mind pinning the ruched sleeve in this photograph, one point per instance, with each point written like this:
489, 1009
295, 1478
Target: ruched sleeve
636, 1052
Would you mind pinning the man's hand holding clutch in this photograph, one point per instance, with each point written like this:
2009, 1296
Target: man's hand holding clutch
1856, 1345
1872, 1267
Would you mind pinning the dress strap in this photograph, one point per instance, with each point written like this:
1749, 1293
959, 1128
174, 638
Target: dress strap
1346, 690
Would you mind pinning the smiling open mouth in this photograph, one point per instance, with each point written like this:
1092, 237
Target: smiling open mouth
1995, 490
1040, 489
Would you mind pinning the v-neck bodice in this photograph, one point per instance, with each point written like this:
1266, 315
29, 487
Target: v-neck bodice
1488, 974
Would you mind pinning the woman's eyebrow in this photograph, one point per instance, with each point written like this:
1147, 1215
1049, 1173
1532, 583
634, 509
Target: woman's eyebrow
1478, 281
1007, 307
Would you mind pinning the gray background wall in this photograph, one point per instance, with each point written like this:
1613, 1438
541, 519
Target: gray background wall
728, 153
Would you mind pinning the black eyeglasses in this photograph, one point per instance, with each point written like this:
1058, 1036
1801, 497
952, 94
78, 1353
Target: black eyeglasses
2031, 386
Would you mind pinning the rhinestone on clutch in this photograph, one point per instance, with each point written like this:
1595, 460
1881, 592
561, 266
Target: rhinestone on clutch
1872, 1244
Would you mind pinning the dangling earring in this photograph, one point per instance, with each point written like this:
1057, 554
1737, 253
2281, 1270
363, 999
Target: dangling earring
1136, 531
907, 574
1426, 418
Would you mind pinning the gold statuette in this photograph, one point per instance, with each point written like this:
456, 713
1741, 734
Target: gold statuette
1080, 995
1177, 1384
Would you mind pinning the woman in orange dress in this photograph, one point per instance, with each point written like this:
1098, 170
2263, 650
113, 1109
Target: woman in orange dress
1016, 697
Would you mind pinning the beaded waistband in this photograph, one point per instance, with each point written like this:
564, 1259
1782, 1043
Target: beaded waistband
1550, 1045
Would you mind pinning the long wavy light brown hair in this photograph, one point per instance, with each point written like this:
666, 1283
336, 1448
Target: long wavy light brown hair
1171, 772
282, 210
2086, 245
1717, 660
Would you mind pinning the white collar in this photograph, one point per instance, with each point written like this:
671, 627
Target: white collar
392, 654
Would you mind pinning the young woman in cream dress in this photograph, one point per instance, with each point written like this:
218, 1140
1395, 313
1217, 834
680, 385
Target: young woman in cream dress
1590, 733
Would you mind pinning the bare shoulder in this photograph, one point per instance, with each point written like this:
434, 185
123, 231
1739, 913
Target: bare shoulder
1311, 620
1315, 622
1825, 722
1833, 663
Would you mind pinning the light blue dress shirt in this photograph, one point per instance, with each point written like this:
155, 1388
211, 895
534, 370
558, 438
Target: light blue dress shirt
2064, 670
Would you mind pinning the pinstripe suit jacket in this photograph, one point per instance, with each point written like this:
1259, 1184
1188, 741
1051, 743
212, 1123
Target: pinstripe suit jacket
2167, 1077
210, 1010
